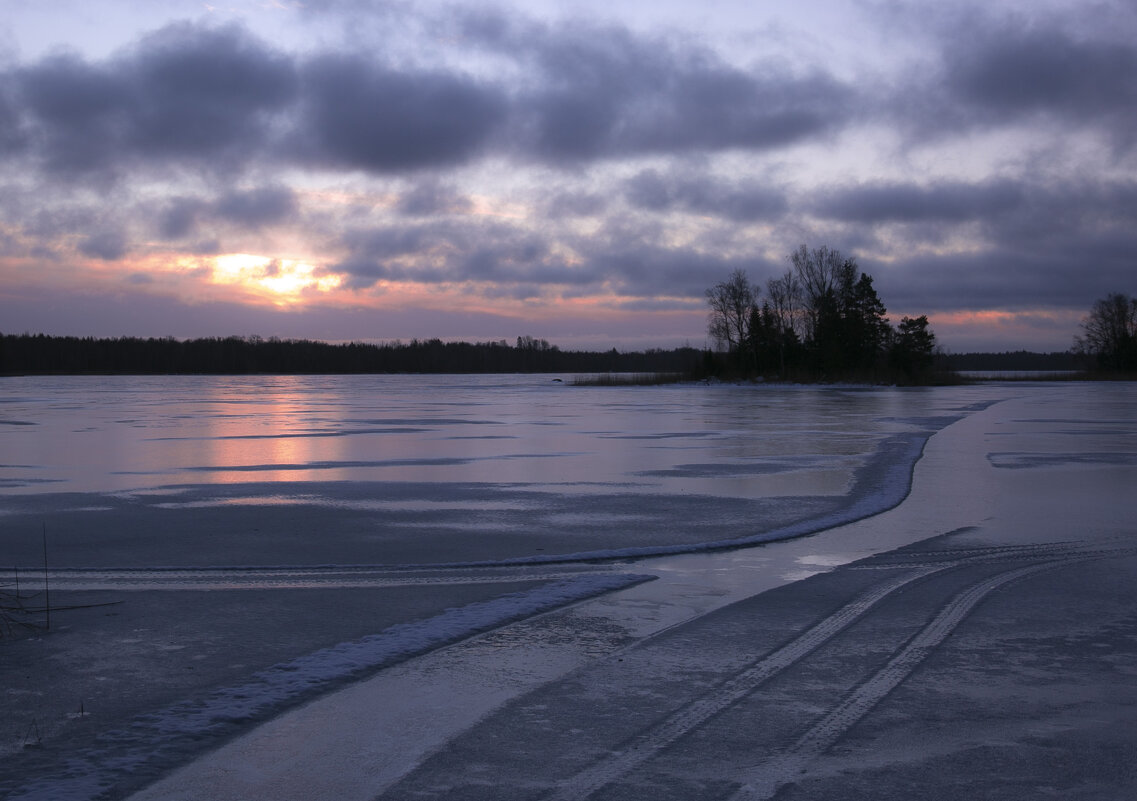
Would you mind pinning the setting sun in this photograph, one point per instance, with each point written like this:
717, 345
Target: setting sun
283, 281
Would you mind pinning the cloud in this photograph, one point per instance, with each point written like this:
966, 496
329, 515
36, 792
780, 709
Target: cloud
995, 279
1010, 71
735, 200
1000, 243
945, 201
605, 92
220, 99
249, 209
185, 92
256, 207
1072, 71
361, 115
108, 245
429, 197
179, 217
457, 252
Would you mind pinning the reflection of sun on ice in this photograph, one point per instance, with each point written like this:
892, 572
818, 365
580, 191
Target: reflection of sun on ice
281, 280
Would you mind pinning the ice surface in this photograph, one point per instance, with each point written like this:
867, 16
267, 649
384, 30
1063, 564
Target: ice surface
605, 473
158, 739
403, 470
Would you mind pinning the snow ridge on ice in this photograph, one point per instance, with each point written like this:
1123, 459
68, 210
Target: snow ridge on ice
882, 484
155, 742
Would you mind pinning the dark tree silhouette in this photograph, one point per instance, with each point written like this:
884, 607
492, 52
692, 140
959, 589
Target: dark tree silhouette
913, 347
1109, 333
821, 319
732, 303
819, 273
845, 319
39, 354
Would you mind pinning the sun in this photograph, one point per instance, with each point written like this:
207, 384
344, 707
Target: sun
281, 281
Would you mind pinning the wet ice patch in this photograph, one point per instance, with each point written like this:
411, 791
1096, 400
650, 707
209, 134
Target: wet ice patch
1019, 461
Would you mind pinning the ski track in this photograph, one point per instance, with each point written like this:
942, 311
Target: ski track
766, 779
760, 782
780, 769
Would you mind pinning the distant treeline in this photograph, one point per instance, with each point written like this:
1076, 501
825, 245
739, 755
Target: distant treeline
39, 354
1012, 360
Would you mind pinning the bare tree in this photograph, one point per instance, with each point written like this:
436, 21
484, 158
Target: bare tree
732, 301
1109, 333
822, 273
785, 299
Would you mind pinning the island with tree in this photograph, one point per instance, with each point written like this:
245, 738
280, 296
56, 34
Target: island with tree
822, 320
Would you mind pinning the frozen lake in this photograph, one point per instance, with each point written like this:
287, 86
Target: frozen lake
359, 585
410, 469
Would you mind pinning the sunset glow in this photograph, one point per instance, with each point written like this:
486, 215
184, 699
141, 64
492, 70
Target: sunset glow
283, 281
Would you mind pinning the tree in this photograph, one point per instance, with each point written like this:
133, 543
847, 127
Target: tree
819, 272
732, 303
913, 347
866, 327
782, 321
1109, 333
844, 318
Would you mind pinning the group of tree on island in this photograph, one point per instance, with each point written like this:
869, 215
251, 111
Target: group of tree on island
822, 319
1109, 334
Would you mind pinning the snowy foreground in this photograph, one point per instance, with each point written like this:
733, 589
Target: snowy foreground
964, 627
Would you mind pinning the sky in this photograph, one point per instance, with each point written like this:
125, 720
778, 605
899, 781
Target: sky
575, 171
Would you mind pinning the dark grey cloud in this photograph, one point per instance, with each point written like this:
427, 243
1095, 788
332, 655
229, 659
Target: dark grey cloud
605, 92
430, 197
989, 71
12, 135
1000, 278
220, 99
362, 115
946, 202
179, 218
631, 256
457, 252
182, 216
653, 190
186, 92
205, 90
256, 207
1055, 243
75, 113
569, 203
1012, 71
